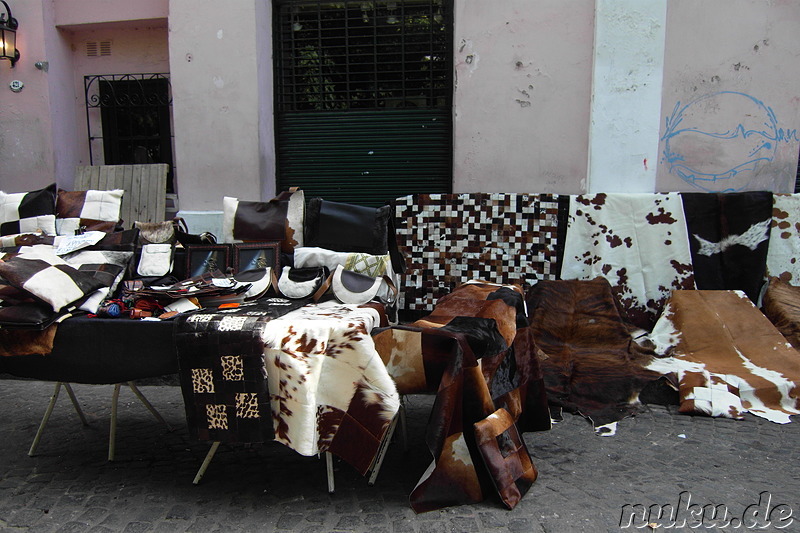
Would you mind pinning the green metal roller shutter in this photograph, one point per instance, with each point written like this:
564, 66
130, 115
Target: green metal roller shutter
365, 157
363, 98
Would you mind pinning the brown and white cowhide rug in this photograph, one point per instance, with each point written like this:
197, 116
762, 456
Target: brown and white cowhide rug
638, 242
328, 387
784, 240
781, 305
726, 357
590, 363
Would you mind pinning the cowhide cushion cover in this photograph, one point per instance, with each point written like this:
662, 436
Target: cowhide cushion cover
727, 357
638, 242
88, 211
39, 271
280, 219
28, 212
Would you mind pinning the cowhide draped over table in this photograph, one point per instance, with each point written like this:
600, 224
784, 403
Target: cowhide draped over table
313, 372
476, 353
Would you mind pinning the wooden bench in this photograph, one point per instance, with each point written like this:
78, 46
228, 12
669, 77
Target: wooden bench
145, 188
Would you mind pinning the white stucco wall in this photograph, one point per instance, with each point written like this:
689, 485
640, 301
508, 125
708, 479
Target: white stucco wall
217, 97
732, 94
626, 95
522, 95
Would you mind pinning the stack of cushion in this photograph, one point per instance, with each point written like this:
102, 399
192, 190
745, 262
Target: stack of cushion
37, 271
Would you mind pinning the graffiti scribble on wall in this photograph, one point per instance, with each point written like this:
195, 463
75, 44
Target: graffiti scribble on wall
719, 141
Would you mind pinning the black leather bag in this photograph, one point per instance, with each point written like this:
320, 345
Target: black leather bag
347, 227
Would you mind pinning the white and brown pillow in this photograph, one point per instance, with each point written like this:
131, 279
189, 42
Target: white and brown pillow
48, 277
106, 266
88, 211
28, 212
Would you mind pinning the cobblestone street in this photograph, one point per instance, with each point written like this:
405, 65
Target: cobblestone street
584, 480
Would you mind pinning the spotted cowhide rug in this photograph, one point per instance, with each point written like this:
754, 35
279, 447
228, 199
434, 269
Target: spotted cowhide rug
476, 353
726, 357
783, 256
729, 235
590, 364
638, 242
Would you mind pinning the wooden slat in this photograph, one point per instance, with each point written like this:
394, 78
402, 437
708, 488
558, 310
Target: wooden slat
125, 182
145, 188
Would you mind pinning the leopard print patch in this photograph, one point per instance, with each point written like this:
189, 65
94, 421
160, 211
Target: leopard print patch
247, 405
232, 323
232, 368
202, 380
217, 416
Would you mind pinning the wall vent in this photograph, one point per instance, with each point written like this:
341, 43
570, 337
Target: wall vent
98, 48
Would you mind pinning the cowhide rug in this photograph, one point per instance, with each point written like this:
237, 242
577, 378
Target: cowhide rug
729, 235
726, 357
591, 365
784, 240
781, 305
638, 242
309, 377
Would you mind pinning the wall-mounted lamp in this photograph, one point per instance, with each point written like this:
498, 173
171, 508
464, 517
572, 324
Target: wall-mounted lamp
8, 36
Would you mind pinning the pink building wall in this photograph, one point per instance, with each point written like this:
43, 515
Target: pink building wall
26, 124
732, 90
524, 94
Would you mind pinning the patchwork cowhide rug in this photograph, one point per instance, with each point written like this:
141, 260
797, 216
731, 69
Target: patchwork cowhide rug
638, 242
591, 365
476, 353
726, 357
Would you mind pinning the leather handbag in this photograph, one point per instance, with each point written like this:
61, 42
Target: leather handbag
299, 283
171, 231
280, 219
345, 227
354, 288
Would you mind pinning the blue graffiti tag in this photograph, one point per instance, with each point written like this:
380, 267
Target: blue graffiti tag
722, 159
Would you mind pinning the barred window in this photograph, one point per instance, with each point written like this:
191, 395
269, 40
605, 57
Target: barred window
363, 54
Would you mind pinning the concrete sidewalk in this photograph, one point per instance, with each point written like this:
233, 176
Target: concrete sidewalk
658, 458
